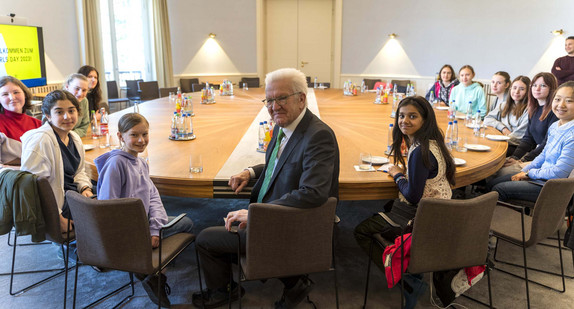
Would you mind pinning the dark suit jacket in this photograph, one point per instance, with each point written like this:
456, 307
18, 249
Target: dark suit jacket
307, 173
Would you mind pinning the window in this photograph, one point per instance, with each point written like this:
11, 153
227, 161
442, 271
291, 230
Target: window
126, 43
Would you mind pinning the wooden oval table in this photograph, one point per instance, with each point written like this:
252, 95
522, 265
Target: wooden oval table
360, 126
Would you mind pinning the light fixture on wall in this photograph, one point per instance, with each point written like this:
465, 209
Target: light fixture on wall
212, 35
392, 35
557, 32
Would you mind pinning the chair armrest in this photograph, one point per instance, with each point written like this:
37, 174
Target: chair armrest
389, 220
516, 207
172, 222
537, 182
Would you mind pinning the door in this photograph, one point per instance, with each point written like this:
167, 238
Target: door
299, 35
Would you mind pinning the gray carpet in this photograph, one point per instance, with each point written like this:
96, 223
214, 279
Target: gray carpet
351, 270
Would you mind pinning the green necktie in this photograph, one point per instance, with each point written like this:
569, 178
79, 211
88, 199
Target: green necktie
270, 167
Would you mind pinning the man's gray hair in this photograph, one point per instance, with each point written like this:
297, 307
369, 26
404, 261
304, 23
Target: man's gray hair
297, 78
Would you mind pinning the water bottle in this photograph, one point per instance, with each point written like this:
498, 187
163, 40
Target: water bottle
104, 122
395, 89
95, 126
378, 97
477, 123
261, 136
267, 138
390, 139
451, 110
448, 136
454, 134
136, 107
189, 125
173, 133
182, 127
104, 129
363, 87
468, 118
394, 108
189, 106
432, 99
315, 85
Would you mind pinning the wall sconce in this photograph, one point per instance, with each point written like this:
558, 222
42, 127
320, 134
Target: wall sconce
557, 32
212, 35
392, 35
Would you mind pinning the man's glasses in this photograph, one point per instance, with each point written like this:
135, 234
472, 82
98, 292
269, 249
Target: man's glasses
280, 101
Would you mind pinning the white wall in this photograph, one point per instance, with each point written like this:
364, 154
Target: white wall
490, 35
234, 49
58, 20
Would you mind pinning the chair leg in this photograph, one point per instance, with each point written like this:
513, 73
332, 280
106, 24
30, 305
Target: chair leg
368, 273
238, 270
110, 294
535, 269
199, 275
489, 292
525, 264
60, 271
335, 270
561, 262
489, 286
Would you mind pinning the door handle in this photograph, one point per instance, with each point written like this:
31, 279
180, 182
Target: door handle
303, 63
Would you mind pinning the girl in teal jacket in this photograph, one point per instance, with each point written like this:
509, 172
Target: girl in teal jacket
468, 91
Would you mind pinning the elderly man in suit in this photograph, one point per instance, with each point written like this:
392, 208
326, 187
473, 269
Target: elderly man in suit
301, 170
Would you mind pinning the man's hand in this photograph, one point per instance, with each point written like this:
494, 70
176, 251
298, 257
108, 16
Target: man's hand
239, 181
510, 161
64, 224
155, 241
520, 176
239, 216
88, 192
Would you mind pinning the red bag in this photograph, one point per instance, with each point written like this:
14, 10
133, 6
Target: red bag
392, 259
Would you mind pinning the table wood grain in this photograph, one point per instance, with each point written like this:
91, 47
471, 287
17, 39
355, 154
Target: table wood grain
360, 126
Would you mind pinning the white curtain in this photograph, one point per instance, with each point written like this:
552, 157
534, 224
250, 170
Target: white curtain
88, 14
162, 43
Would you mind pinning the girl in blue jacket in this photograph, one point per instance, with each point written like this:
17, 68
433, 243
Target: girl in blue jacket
556, 159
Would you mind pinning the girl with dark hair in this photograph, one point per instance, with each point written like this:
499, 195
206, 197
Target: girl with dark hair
467, 92
511, 117
556, 159
540, 117
441, 88
94, 91
121, 173
55, 151
429, 172
15, 100
499, 86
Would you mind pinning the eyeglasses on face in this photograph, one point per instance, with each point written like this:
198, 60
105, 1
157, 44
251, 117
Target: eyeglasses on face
280, 100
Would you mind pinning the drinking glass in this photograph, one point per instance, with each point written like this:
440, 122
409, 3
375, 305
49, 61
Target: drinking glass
365, 161
245, 86
114, 142
461, 144
482, 130
195, 163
